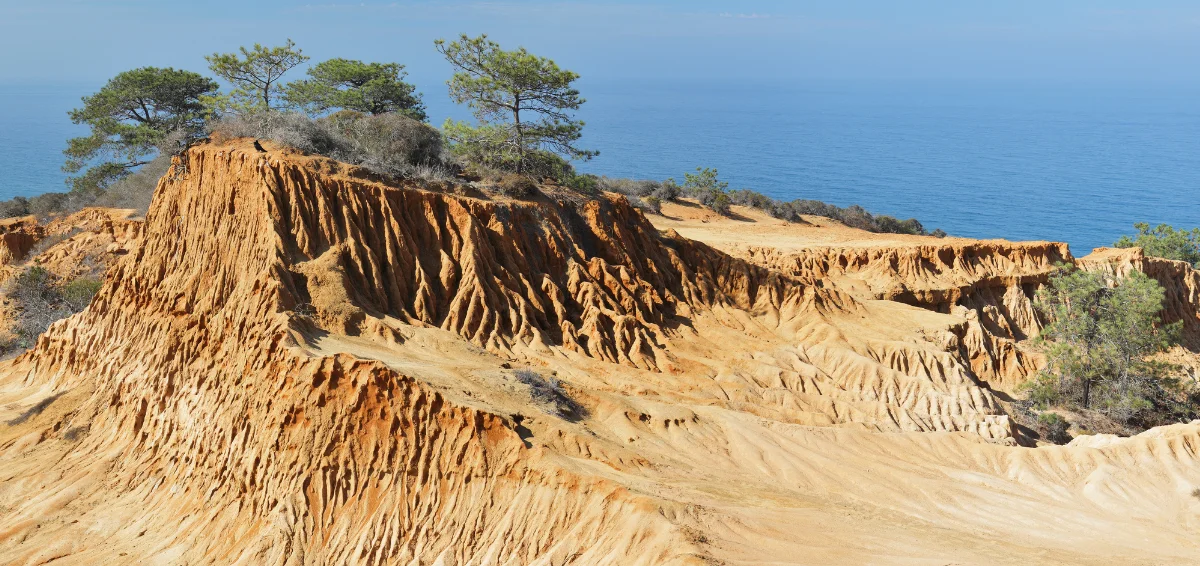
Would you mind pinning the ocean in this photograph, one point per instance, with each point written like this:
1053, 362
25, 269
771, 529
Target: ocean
1069, 162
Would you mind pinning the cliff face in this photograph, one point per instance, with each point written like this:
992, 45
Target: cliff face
989, 286
1180, 283
291, 363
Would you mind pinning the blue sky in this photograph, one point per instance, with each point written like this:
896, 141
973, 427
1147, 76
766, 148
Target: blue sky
1018, 39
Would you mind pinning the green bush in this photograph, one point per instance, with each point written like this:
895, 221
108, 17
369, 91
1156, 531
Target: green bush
1054, 428
39, 301
1166, 242
78, 293
585, 184
1100, 338
667, 191
720, 203
703, 180
651, 203
389, 144
16, 206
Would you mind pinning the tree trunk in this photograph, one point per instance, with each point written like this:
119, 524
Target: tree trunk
520, 137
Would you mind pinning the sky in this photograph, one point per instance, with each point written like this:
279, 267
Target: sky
89, 41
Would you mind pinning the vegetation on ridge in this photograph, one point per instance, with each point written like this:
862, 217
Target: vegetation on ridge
1166, 242
255, 75
523, 103
364, 113
131, 118
345, 84
708, 190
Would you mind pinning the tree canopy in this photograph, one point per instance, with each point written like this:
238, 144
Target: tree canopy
129, 118
524, 103
1166, 242
1100, 335
346, 84
255, 75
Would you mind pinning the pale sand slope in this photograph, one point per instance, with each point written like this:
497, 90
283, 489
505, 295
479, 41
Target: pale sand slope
747, 393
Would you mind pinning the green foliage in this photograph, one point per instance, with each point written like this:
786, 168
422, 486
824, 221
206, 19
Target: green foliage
586, 184
669, 190
1099, 338
1166, 242
345, 84
706, 187
1054, 428
704, 179
486, 145
255, 75
39, 301
893, 225
78, 293
720, 203
652, 203
388, 144
523, 103
130, 118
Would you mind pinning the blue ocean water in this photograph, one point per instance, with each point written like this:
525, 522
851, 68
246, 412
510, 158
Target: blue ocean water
1020, 160
33, 131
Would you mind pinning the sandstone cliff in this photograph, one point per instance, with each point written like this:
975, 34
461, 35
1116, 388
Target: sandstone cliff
294, 363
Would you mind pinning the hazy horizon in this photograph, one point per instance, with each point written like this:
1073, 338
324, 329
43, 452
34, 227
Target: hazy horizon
859, 39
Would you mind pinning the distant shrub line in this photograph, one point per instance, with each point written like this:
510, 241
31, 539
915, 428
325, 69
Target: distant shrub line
705, 187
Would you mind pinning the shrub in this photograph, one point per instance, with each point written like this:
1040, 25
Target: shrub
1053, 427
720, 203
286, 128
650, 203
752, 199
516, 186
40, 301
135, 191
628, 187
1166, 242
667, 191
388, 144
17, 206
548, 391
703, 180
78, 293
391, 144
585, 184
48, 203
893, 225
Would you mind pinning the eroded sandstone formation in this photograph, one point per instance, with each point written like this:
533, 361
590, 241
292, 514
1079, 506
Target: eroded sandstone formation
291, 362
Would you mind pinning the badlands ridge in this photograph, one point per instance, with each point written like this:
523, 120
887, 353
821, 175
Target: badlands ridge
292, 363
